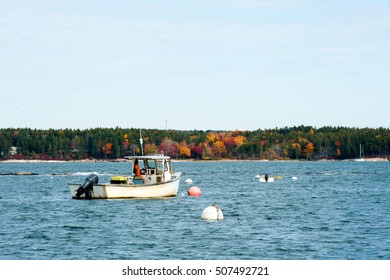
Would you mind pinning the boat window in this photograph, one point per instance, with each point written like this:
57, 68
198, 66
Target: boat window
160, 165
170, 166
141, 164
151, 164
166, 166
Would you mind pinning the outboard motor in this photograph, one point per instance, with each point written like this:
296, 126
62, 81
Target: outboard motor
87, 187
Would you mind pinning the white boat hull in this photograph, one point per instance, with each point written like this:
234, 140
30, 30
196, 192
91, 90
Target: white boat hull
262, 180
108, 191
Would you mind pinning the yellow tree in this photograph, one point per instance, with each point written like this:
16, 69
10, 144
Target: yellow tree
309, 149
184, 151
219, 149
239, 140
211, 137
125, 142
207, 150
296, 149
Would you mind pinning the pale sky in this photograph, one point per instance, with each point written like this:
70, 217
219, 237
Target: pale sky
194, 64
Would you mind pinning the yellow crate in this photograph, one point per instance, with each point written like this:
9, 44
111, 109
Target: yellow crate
118, 180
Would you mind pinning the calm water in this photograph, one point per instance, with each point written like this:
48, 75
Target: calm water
335, 210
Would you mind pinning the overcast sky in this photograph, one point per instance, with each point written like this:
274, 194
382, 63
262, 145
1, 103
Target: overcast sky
220, 65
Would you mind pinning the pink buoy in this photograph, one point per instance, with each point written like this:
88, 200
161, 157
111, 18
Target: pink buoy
194, 191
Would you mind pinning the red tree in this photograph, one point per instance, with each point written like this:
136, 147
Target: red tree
169, 147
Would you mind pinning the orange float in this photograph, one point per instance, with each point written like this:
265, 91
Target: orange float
194, 191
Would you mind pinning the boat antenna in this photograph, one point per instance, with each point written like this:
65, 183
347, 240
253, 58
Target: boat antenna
141, 141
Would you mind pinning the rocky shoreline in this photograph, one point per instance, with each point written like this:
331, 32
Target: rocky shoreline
26, 173
57, 161
23, 173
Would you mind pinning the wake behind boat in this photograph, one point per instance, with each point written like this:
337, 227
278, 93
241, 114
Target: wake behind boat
152, 177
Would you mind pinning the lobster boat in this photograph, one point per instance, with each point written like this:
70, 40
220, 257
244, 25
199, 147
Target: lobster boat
264, 178
152, 177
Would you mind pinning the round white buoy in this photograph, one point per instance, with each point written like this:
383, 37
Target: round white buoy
212, 212
188, 181
294, 178
194, 191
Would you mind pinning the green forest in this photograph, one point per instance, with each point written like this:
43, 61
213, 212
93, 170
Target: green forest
289, 143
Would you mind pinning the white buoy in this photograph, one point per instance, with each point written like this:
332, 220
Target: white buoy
294, 178
212, 212
188, 181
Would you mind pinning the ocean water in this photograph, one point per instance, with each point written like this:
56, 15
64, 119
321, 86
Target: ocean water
335, 210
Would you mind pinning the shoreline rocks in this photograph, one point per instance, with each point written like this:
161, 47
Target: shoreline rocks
22, 173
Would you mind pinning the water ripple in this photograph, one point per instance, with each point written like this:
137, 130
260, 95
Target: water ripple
333, 211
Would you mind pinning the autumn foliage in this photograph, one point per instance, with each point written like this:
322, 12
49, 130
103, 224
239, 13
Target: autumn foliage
299, 143
107, 149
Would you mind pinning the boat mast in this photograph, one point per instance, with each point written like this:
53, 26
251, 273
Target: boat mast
141, 142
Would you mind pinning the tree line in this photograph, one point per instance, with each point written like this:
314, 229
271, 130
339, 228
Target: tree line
298, 142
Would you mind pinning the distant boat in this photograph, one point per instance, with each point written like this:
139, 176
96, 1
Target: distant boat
153, 178
265, 178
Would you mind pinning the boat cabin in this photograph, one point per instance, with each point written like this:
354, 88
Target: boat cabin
153, 169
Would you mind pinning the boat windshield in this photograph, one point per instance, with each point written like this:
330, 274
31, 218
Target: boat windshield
168, 166
141, 165
160, 164
151, 164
